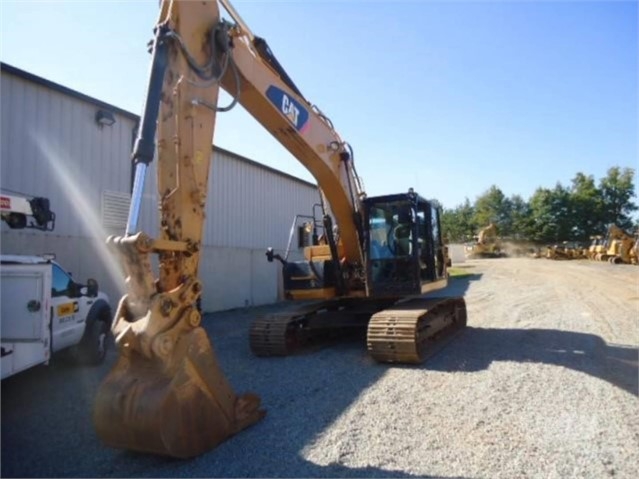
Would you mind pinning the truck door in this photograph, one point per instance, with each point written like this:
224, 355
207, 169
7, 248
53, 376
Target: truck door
67, 322
24, 316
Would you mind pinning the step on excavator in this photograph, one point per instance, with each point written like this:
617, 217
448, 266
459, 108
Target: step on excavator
378, 263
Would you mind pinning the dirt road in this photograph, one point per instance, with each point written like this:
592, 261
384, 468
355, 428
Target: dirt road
542, 383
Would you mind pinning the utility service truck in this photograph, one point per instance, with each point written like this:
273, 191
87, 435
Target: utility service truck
43, 310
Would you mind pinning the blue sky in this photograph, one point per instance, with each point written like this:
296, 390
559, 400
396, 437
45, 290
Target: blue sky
447, 97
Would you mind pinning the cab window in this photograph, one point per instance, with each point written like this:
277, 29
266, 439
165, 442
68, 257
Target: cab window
60, 281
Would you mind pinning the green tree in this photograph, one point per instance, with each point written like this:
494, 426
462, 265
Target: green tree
617, 190
542, 223
586, 202
551, 214
493, 207
457, 223
520, 217
561, 212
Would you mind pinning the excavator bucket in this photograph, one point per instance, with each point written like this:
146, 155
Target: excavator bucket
180, 411
166, 393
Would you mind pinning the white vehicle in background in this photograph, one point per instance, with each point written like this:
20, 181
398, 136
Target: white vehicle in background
45, 311
22, 211
42, 309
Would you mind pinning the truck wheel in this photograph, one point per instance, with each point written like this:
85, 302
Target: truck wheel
94, 346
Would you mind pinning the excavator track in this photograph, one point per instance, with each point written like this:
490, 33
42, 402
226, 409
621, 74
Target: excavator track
414, 330
285, 332
315, 324
276, 335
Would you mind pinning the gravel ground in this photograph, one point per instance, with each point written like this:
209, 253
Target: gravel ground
543, 383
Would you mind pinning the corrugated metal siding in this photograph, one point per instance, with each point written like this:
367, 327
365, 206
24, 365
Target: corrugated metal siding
247, 206
51, 146
251, 207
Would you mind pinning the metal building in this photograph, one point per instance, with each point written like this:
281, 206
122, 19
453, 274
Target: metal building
75, 150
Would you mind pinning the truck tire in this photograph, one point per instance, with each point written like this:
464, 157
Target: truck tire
94, 344
93, 347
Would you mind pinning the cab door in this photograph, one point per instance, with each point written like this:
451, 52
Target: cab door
430, 244
67, 322
438, 244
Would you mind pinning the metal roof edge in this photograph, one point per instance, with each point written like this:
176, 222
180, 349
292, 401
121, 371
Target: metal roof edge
4, 67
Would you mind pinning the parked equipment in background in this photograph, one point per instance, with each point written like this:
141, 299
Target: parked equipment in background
596, 246
618, 246
566, 250
486, 244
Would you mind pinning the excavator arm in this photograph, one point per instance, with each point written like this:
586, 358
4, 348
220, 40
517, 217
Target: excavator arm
265, 90
166, 393
487, 233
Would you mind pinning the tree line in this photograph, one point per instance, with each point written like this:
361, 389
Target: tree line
563, 213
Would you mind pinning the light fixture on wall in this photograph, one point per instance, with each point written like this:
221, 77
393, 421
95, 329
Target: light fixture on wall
104, 117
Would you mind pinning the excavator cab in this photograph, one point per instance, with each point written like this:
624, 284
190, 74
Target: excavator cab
404, 252
404, 246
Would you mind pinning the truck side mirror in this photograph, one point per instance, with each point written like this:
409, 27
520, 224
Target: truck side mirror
270, 256
92, 287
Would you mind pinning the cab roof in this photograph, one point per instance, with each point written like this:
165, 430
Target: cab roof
24, 259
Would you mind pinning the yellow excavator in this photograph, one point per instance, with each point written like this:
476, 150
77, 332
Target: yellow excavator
486, 244
374, 265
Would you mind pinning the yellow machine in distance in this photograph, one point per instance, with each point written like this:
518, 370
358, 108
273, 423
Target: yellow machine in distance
486, 244
596, 246
617, 247
566, 250
378, 259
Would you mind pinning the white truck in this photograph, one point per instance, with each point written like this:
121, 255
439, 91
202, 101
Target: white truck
43, 311
21, 211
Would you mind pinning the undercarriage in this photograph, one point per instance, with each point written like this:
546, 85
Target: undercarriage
397, 331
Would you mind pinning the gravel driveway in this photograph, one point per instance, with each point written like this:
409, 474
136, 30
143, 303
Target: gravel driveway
542, 383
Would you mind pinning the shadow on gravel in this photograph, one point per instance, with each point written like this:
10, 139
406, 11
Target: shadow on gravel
475, 348
47, 428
